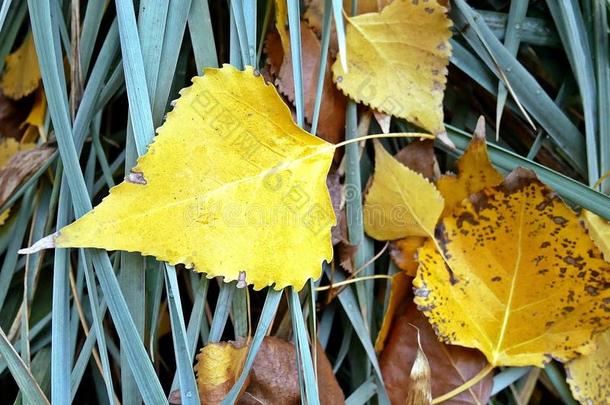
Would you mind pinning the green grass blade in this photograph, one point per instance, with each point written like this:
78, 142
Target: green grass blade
294, 26
516, 16
323, 60
90, 29
221, 313
363, 394
182, 352
26, 382
531, 95
571, 27
4, 11
202, 35
507, 377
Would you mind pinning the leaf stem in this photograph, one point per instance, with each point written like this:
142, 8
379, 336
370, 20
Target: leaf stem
377, 136
353, 280
468, 384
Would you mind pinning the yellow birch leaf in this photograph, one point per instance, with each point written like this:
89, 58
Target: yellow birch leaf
218, 366
599, 230
589, 375
400, 201
475, 172
397, 61
21, 72
525, 282
231, 187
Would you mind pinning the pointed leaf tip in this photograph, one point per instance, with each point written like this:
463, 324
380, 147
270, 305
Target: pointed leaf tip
48, 242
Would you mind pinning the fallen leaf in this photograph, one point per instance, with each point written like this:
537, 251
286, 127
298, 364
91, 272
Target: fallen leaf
450, 366
337, 197
404, 253
475, 172
34, 122
589, 375
384, 121
9, 148
274, 52
281, 24
25, 162
397, 61
21, 72
399, 292
331, 123
12, 114
229, 165
599, 230
419, 156
4, 215
540, 284
400, 202
274, 378
217, 368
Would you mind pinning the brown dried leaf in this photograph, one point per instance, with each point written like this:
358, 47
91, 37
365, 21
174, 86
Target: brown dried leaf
419, 379
419, 156
274, 379
22, 165
332, 110
12, 115
451, 366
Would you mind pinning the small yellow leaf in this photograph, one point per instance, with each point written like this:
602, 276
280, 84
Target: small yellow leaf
400, 202
404, 253
589, 375
281, 24
397, 61
231, 185
525, 283
9, 148
475, 172
599, 230
218, 366
21, 73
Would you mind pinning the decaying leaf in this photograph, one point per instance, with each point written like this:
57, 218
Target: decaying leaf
281, 24
218, 366
274, 378
400, 202
17, 163
475, 172
34, 122
229, 164
21, 73
12, 114
540, 286
450, 366
599, 230
397, 61
589, 375
331, 124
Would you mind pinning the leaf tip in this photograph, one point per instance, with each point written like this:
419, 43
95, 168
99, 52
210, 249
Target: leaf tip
48, 242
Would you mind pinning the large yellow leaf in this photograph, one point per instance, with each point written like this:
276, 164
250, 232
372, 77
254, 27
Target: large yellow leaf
397, 61
231, 185
475, 172
21, 73
589, 375
524, 283
400, 202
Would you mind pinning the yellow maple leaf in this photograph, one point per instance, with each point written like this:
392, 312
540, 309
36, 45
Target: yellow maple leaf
589, 375
397, 61
523, 283
231, 187
21, 73
218, 367
400, 201
475, 172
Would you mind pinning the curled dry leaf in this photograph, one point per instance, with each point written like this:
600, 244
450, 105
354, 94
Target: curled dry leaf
21, 73
589, 375
450, 366
400, 202
419, 392
228, 164
274, 379
218, 366
498, 245
24, 160
331, 125
475, 172
397, 61
400, 291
